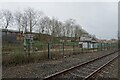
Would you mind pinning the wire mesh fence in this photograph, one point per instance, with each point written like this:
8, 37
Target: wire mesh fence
15, 53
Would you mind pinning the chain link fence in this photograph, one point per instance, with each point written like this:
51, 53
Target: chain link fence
14, 53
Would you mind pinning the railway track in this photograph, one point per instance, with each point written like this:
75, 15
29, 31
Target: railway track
86, 70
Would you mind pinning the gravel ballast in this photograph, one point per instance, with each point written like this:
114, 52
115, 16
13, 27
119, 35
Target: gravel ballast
44, 68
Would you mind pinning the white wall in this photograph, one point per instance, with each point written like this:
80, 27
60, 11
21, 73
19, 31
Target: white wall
85, 45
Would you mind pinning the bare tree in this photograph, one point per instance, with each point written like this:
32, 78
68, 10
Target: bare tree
32, 17
1, 15
43, 25
56, 27
64, 30
79, 32
52, 29
73, 31
69, 27
1, 20
24, 23
49, 26
59, 29
76, 30
18, 20
7, 18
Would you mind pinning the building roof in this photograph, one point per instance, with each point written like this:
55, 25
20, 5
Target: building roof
87, 39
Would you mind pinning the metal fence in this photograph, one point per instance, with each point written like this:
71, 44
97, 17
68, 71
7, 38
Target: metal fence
55, 51
15, 52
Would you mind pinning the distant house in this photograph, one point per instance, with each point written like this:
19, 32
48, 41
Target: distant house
88, 42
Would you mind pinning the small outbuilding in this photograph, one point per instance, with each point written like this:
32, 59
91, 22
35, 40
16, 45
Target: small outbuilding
88, 42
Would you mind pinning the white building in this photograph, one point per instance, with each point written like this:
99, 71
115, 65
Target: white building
88, 42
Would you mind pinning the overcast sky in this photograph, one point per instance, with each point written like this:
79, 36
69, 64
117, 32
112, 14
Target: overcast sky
98, 18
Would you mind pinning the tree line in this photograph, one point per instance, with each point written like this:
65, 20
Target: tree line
31, 20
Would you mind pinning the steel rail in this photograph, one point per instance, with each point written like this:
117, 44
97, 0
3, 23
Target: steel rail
97, 70
76, 66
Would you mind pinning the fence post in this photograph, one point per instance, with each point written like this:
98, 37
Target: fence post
101, 46
110, 45
73, 48
82, 48
93, 47
63, 49
28, 49
49, 54
98, 47
107, 46
88, 46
